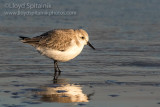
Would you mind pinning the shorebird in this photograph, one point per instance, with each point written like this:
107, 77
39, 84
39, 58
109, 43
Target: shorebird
61, 45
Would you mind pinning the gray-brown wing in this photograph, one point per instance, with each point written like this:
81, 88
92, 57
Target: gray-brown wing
35, 40
55, 39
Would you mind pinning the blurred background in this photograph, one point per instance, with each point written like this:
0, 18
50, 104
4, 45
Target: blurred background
123, 71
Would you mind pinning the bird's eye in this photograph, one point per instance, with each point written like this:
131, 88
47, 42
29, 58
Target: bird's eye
82, 37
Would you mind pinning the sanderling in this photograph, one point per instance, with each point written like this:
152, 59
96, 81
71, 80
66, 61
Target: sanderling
61, 45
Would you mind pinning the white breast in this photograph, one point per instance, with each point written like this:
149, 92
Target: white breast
62, 56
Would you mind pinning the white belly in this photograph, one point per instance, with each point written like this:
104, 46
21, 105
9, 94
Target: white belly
61, 56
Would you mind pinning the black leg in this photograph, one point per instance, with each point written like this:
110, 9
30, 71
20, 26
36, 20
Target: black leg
59, 71
56, 69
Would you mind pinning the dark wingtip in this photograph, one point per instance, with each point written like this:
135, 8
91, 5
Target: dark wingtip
22, 37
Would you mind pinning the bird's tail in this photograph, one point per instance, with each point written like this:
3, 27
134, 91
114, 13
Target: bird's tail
24, 39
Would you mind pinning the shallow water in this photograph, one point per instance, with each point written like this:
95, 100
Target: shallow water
123, 71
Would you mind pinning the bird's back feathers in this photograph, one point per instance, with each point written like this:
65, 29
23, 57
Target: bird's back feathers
55, 39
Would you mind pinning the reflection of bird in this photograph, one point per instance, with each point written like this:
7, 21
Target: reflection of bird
60, 45
64, 94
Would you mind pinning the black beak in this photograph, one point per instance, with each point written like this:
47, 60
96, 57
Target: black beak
90, 45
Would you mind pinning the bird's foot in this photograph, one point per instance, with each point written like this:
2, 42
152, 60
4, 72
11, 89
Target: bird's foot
56, 74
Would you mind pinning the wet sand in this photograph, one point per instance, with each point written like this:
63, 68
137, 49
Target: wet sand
123, 71
102, 77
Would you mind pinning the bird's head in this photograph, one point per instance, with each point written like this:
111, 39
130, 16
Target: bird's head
83, 37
